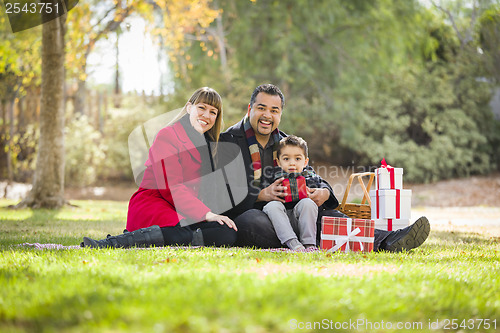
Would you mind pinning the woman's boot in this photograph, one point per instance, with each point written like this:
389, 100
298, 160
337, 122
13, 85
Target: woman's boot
197, 238
145, 237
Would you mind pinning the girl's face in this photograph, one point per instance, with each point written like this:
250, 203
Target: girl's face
202, 116
292, 159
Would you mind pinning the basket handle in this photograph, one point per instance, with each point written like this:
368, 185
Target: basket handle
366, 196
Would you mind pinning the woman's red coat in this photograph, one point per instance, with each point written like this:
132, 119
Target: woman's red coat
169, 188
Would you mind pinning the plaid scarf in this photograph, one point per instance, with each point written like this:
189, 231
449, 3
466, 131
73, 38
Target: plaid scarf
305, 173
254, 149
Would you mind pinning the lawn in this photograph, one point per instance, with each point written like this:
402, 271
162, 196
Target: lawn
451, 282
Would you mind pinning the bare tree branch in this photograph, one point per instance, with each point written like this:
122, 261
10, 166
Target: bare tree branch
111, 26
102, 18
472, 24
453, 23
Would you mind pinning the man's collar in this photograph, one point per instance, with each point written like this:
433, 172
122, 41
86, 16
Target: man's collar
270, 141
237, 129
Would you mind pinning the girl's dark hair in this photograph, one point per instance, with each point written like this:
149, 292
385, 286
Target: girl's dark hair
293, 140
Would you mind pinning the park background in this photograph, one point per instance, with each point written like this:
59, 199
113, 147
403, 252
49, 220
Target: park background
415, 82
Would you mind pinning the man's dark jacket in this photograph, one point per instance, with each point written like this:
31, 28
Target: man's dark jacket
236, 134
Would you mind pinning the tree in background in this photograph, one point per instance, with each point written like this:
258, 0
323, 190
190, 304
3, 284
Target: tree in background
88, 23
489, 35
19, 80
311, 52
84, 32
434, 118
363, 79
48, 182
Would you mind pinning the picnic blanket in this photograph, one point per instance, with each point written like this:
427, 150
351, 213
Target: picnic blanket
52, 246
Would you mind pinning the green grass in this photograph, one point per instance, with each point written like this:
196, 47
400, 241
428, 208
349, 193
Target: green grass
453, 275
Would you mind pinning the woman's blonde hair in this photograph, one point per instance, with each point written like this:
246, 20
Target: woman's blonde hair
211, 97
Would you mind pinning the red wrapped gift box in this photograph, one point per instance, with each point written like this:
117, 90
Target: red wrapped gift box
347, 234
295, 188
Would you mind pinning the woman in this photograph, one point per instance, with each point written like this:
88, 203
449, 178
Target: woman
167, 208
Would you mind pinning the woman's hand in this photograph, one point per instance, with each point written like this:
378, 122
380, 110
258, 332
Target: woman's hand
211, 217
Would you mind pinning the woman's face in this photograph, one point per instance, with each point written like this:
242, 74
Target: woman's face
202, 116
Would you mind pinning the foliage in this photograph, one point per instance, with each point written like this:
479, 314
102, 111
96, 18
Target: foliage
232, 290
118, 126
489, 34
23, 149
349, 70
432, 119
20, 70
417, 122
92, 21
180, 19
85, 153
352, 70
19, 60
92, 156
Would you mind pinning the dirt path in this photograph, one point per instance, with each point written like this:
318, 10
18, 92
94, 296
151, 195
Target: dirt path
464, 192
472, 191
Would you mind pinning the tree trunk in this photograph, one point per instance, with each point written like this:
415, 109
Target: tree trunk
117, 101
3, 133
80, 98
89, 105
32, 105
48, 182
105, 115
10, 133
10, 172
21, 118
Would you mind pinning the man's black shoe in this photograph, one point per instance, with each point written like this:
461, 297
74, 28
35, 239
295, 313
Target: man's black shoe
408, 238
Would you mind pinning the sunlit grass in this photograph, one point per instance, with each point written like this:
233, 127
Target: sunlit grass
453, 275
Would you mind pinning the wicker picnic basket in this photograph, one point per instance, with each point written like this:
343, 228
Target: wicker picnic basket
363, 210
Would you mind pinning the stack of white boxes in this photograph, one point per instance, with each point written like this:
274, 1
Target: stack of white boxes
390, 203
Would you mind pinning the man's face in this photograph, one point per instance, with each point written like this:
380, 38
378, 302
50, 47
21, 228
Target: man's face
265, 115
292, 159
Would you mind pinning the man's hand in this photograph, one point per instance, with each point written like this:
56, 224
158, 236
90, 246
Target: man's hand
274, 192
318, 195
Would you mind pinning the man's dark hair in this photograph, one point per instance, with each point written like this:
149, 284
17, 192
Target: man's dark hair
293, 140
269, 89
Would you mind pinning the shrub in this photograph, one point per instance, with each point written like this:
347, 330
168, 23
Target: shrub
85, 153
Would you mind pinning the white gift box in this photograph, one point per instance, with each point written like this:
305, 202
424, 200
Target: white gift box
390, 204
383, 204
389, 178
391, 224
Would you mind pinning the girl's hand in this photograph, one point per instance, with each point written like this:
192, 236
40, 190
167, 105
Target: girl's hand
211, 217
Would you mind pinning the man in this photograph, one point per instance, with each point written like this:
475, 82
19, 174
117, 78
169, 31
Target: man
257, 136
